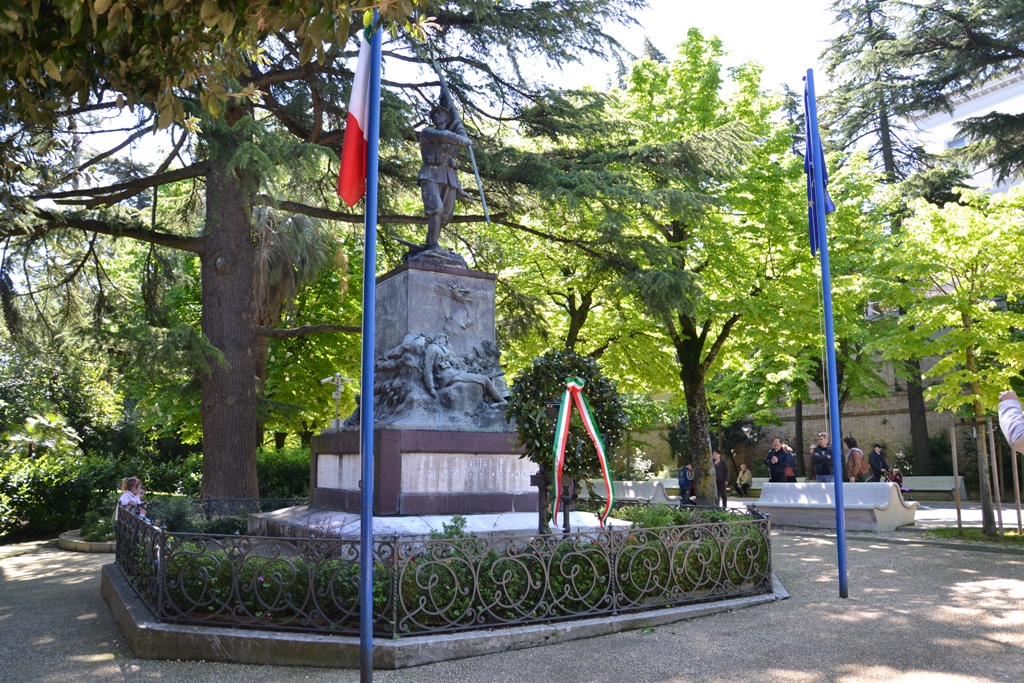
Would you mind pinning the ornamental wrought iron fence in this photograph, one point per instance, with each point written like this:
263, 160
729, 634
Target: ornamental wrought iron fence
439, 585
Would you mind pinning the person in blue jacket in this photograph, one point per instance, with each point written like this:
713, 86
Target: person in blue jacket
777, 460
685, 483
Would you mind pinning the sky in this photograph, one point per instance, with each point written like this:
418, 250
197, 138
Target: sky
786, 38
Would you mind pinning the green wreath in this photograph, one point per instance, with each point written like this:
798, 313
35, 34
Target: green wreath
541, 386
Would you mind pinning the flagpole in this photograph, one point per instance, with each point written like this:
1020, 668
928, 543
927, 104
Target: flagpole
814, 142
366, 421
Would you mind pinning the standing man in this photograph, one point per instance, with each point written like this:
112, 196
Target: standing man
879, 467
721, 478
777, 460
824, 464
438, 177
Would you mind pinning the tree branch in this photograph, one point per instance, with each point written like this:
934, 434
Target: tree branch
347, 217
305, 330
110, 152
723, 334
53, 220
193, 171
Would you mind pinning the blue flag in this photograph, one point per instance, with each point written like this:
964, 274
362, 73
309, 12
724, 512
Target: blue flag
809, 161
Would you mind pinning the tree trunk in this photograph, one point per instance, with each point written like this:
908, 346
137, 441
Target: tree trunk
988, 515
230, 426
918, 420
798, 439
699, 435
577, 316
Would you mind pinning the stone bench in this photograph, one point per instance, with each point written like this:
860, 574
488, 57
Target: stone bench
939, 484
651, 491
868, 506
757, 483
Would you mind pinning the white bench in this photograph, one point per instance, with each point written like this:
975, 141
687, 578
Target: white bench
651, 491
757, 483
867, 506
941, 484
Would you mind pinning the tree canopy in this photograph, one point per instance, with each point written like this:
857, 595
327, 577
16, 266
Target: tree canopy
252, 94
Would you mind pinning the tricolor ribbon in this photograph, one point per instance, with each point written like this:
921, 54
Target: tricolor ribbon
574, 394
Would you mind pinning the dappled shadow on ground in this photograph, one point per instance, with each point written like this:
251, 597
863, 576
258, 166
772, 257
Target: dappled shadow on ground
53, 621
916, 613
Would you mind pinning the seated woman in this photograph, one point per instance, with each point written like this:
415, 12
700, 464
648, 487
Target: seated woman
743, 481
131, 498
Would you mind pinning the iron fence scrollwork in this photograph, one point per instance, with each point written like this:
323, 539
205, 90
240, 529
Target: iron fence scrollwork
439, 585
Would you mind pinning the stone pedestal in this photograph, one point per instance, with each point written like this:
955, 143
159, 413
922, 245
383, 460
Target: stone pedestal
425, 298
424, 473
442, 444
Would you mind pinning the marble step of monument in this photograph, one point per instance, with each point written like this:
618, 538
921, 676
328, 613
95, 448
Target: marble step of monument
305, 521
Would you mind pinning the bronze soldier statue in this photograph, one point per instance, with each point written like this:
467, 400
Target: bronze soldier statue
438, 177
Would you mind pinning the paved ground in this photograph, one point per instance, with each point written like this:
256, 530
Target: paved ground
917, 612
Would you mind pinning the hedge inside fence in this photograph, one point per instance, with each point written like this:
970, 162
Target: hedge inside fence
460, 582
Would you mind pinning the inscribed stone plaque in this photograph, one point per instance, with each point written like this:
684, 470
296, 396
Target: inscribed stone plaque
465, 473
338, 471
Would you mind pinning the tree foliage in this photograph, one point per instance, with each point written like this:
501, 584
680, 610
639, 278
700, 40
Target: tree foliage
691, 196
250, 93
959, 263
947, 49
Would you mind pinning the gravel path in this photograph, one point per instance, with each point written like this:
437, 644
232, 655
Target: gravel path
917, 611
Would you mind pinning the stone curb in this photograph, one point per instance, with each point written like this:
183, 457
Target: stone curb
150, 639
72, 540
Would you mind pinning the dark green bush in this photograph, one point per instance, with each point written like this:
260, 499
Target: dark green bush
41, 495
283, 473
98, 526
232, 524
174, 514
653, 516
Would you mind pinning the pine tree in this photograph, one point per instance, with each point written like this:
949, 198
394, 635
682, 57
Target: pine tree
253, 92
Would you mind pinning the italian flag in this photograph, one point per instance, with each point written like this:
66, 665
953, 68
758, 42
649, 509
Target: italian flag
352, 178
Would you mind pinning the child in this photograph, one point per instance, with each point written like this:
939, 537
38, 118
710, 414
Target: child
131, 498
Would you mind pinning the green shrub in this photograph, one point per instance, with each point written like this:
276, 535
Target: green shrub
41, 495
98, 526
174, 514
283, 473
653, 516
232, 524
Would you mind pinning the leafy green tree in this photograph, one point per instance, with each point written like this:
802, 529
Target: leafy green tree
251, 93
960, 265
869, 107
697, 198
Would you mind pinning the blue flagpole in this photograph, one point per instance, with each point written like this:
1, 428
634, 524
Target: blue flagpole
366, 378
830, 338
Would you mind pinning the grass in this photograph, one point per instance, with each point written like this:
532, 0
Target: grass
1009, 538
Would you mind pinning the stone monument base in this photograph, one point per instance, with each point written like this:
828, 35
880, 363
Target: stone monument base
304, 521
419, 472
